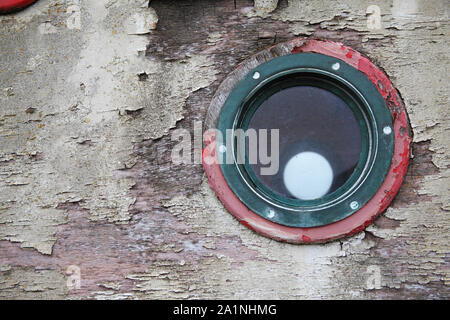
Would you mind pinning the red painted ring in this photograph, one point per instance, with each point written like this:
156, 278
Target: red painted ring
367, 214
7, 6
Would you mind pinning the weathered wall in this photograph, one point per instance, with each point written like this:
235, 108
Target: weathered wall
90, 92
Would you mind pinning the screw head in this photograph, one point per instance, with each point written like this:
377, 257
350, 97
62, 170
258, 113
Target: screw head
222, 148
336, 66
271, 213
387, 130
256, 75
354, 205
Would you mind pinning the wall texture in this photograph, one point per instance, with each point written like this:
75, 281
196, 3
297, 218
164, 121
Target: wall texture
91, 205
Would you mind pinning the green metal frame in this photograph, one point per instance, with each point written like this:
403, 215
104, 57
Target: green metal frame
361, 96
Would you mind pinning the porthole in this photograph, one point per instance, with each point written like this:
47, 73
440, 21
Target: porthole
333, 126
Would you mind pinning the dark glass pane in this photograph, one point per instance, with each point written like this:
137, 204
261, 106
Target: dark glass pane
320, 141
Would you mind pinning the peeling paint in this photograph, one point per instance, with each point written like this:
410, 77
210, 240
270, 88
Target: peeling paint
84, 174
31, 283
94, 83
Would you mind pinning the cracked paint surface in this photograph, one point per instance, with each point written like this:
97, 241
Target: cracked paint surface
90, 92
73, 92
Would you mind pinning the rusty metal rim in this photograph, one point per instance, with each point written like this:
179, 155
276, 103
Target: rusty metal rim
376, 205
8, 6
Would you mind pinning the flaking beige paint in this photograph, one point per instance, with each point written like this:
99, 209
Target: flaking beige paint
72, 110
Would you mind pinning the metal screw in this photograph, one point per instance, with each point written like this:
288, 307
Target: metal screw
336, 66
222, 148
271, 213
256, 75
354, 205
387, 130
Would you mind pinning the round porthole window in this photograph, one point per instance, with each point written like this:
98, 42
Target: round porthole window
309, 145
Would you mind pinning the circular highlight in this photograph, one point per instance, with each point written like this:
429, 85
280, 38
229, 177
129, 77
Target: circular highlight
308, 176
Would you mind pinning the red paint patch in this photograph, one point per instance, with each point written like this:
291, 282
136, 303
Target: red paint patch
7, 6
306, 238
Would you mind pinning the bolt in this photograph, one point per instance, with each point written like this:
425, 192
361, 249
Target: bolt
387, 130
256, 75
354, 205
336, 66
